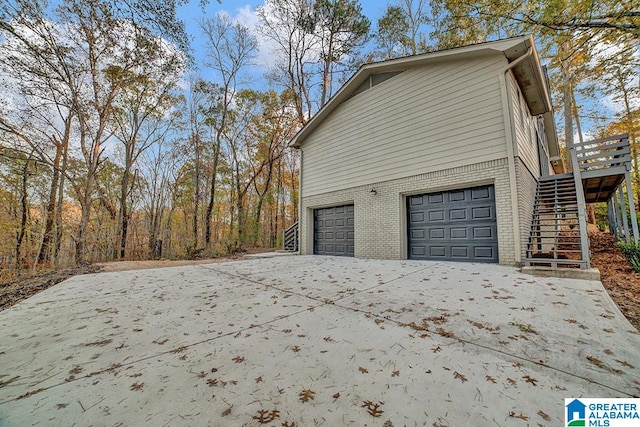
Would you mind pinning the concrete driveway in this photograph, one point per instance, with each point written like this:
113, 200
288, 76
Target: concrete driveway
304, 341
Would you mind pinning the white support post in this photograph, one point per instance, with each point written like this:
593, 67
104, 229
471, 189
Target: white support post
632, 207
582, 209
617, 209
623, 212
611, 218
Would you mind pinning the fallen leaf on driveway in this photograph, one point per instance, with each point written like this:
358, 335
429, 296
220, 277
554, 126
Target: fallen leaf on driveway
459, 376
306, 395
520, 416
544, 415
265, 417
373, 408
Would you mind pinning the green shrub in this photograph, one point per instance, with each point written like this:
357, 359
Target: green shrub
632, 252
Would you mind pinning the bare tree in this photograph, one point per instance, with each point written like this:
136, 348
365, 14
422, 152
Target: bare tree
230, 48
139, 113
290, 25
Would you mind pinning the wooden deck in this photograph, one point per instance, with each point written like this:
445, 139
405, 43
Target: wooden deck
603, 164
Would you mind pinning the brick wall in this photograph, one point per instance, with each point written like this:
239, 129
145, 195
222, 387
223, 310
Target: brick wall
380, 220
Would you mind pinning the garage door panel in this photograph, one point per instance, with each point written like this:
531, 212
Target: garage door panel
486, 252
458, 225
417, 234
334, 231
417, 217
457, 214
437, 233
435, 198
483, 233
480, 193
484, 212
436, 215
437, 251
459, 252
457, 196
418, 251
458, 233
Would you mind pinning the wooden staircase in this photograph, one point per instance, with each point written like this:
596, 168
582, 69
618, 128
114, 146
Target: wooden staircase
291, 238
556, 240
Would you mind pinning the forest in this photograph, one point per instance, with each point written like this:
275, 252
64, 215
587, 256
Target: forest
116, 145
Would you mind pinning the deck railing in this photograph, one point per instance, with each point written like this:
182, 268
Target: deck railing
605, 153
291, 237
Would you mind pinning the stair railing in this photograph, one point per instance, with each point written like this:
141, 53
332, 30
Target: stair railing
291, 238
582, 208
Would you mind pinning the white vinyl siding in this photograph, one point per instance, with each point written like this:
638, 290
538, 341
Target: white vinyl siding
441, 116
526, 144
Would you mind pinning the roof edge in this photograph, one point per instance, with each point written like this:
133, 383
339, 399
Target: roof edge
398, 64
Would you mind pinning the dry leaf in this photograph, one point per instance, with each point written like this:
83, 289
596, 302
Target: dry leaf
625, 363
337, 395
306, 395
363, 370
520, 416
265, 417
544, 415
596, 361
373, 408
444, 333
458, 375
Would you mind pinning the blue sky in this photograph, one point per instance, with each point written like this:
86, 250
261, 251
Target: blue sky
245, 12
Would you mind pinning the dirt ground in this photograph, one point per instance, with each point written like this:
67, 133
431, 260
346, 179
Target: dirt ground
618, 277
15, 291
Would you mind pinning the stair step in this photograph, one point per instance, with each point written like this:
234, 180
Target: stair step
555, 224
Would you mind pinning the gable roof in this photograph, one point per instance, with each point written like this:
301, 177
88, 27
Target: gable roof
528, 72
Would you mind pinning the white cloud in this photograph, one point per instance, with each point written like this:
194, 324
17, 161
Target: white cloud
248, 16
607, 52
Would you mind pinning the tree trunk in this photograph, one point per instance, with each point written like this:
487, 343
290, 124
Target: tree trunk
44, 254
214, 175
58, 241
196, 202
85, 204
23, 218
